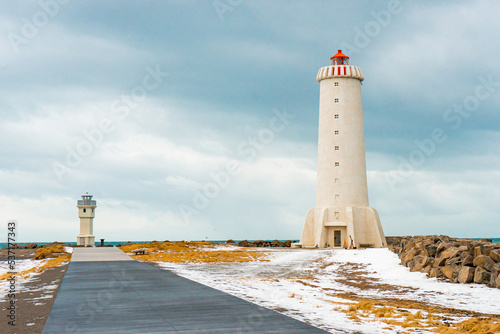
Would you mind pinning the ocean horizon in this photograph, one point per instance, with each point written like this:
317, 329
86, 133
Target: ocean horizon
114, 243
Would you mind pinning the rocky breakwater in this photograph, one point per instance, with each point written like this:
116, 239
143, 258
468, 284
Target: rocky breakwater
451, 259
261, 243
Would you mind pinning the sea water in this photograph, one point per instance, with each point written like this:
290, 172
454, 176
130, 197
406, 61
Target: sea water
114, 243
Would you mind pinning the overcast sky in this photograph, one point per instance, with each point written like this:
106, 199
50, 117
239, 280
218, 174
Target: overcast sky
199, 119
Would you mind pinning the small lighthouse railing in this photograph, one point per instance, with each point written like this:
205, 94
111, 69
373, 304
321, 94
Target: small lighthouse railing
86, 202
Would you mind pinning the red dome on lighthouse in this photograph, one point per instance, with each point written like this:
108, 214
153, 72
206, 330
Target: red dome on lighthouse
340, 59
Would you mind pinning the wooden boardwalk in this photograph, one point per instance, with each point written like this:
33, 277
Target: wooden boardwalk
105, 291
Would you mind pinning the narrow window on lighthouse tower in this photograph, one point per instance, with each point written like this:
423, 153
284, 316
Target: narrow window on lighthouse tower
336, 100
337, 215
336, 116
337, 196
336, 83
336, 132
337, 180
337, 164
84, 210
337, 148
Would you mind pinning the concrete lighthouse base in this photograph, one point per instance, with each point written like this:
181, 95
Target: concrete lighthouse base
338, 227
86, 240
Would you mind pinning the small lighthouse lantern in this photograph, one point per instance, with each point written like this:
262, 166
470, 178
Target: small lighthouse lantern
86, 212
340, 59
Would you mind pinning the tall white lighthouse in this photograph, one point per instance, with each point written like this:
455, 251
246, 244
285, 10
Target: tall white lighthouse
86, 212
342, 216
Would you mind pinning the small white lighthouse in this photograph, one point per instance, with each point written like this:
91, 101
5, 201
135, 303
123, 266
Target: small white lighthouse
86, 213
342, 217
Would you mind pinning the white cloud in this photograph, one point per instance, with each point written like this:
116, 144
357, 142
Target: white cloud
221, 92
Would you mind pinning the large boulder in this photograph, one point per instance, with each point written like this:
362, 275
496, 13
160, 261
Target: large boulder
481, 276
454, 261
487, 249
243, 243
427, 269
484, 261
277, 243
495, 255
435, 272
466, 275
468, 261
442, 247
230, 241
259, 243
431, 250
445, 255
447, 272
493, 278
409, 256
478, 250
421, 261
288, 243
409, 245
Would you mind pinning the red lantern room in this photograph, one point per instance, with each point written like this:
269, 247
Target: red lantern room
340, 59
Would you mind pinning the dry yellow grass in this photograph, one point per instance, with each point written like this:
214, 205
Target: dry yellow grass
45, 252
432, 318
475, 326
191, 252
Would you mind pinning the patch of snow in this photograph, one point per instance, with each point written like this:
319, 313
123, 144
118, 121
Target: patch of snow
20, 265
385, 265
282, 284
68, 250
222, 247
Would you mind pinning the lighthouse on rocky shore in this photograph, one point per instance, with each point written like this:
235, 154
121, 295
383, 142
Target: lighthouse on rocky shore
342, 217
86, 212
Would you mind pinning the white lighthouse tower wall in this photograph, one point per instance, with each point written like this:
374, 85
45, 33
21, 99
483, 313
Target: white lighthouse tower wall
345, 184
342, 210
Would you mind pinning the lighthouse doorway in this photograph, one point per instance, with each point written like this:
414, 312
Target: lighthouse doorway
337, 238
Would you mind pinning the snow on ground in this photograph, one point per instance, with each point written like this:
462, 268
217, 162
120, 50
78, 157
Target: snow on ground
384, 265
305, 284
20, 265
